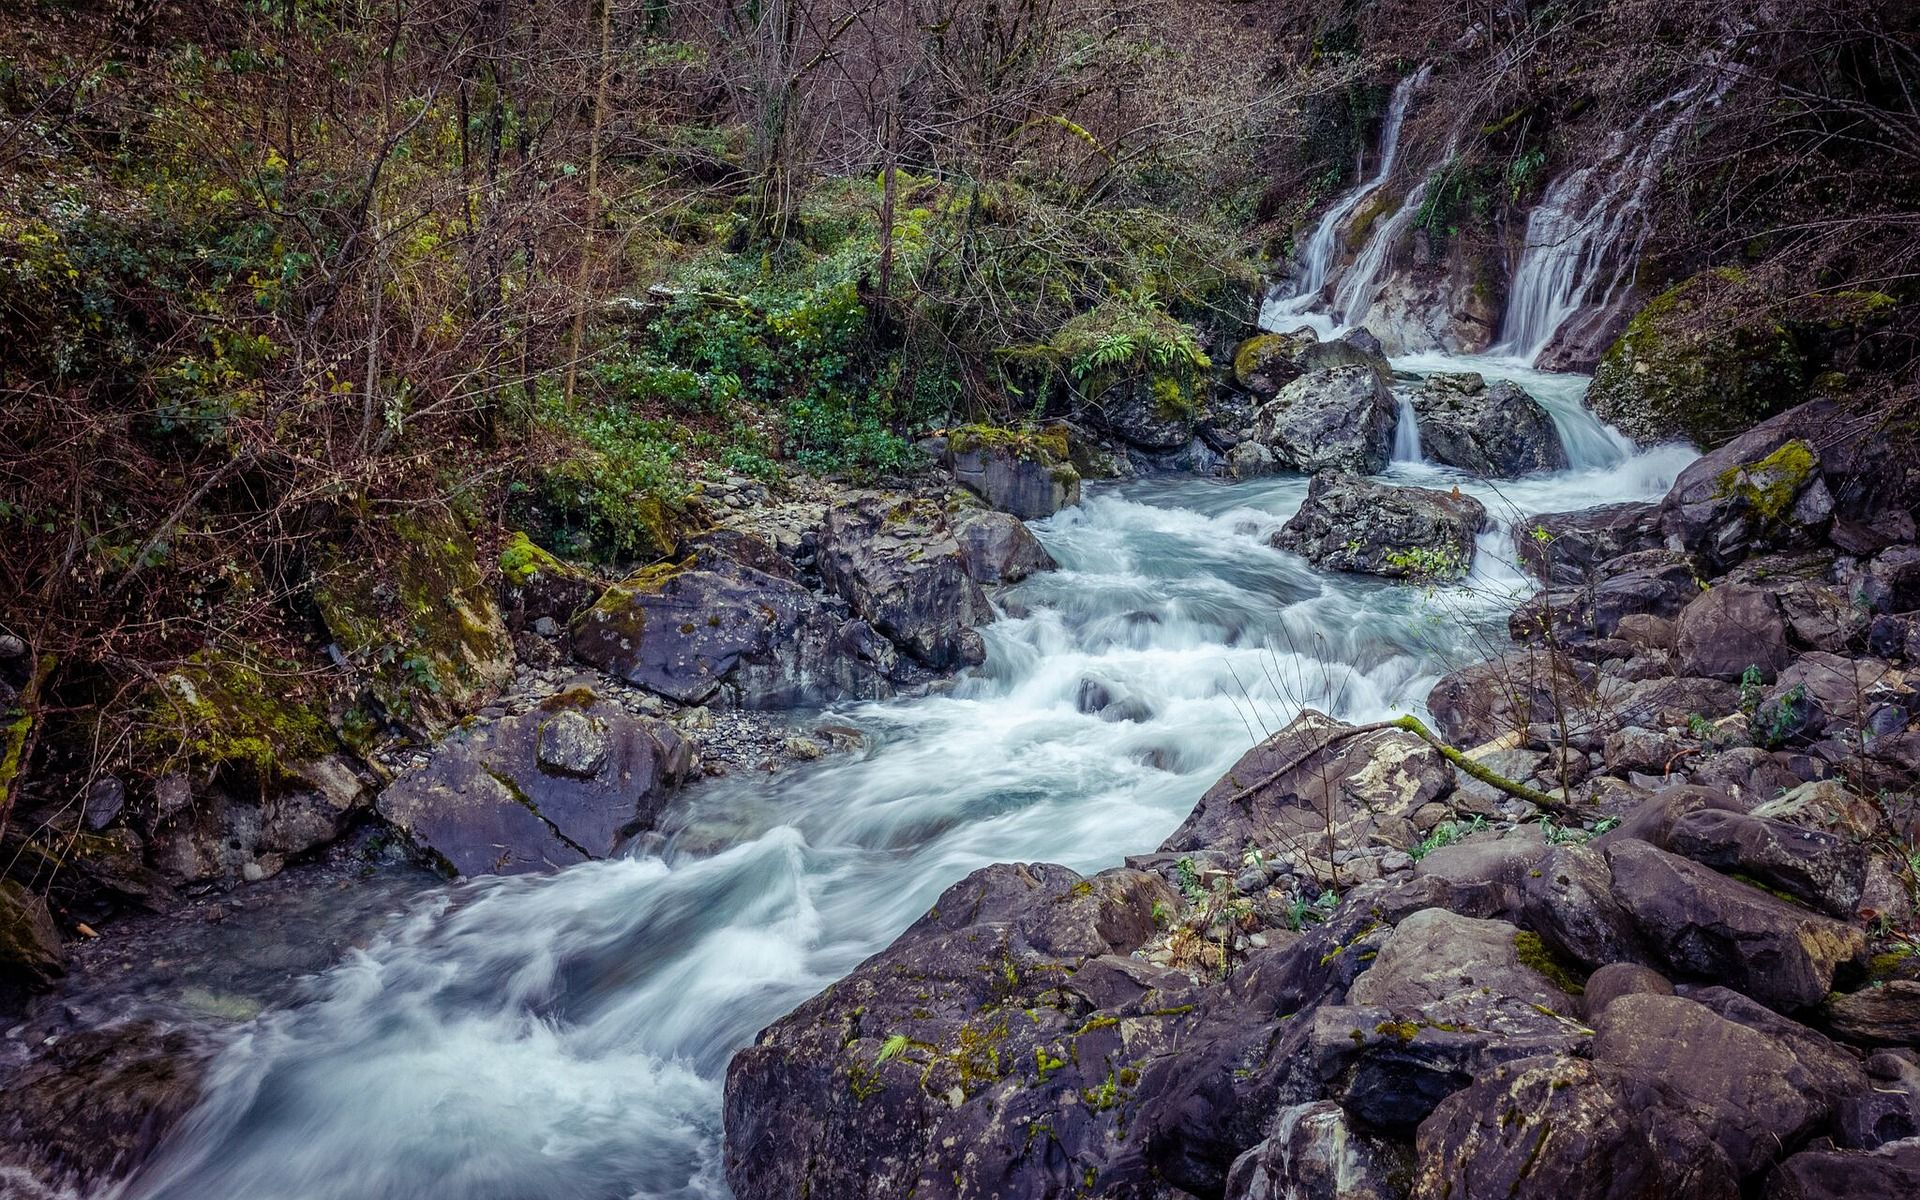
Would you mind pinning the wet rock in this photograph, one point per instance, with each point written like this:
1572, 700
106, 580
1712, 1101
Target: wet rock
1564, 549
997, 547
1747, 1091
94, 1105
1890, 1171
1250, 460
1568, 901
681, 632
1704, 925
1155, 413
569, 781
1567, 1129
105, 798
897, 562
1618, 979
1331, 791
1656, 582
30, 953
1729, 628
1476, 704
1353, 524
1027, 474
1337, 419
1315, 1151
1492, 430
226, 837
1886, 1013
1818, 868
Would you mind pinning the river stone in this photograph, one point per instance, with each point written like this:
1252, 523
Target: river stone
1829, 694
1337, 419
1353, 524
566, 782
1746, 1090
1891, 1171
1818, 868
1250, 460
1568, 901
896, 561
1492, 430
1476, 704
1315, 1151
1889, 1111
1564, 549
998, 547
1617, 980
1704, 925
681, 631
1727, 630
1556, 1128
1764, 490
1659, 582
1886, 1012
227, 836
1334, 791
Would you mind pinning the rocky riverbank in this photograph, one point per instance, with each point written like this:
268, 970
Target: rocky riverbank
1658, 942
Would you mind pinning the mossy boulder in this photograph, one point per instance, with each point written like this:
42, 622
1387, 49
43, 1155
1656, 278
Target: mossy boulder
30, 955
535, 584
224, 709
409, 607
1710, 357
1025, 472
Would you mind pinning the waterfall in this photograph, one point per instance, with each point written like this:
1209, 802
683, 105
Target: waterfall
1584, 238
1406, 433
1322, 245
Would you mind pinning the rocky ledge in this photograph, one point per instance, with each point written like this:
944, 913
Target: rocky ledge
1636, 921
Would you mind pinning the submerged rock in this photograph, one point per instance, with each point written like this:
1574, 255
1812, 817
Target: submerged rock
1353, 524
1334, 419
1494, 430
568, 782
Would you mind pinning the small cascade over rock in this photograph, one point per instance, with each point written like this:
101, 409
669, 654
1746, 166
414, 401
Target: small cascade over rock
1317, 255
1585, 236
1406, 432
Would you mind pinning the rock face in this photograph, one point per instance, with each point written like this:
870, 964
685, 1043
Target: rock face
1493, 430
535, 584
1354, 524
1334, 419
1026, 474
899, 566
1564, 549
565, 783
1314, 1150
684, 630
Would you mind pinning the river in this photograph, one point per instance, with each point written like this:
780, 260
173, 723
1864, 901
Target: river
566, 1037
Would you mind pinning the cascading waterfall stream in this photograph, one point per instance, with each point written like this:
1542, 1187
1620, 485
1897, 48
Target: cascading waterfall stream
567, 1036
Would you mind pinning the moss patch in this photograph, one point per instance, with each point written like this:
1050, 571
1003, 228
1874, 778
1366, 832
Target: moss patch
1534, 955
217, 710
1770, 486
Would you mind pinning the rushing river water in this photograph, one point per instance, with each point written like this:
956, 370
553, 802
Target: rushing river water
566, 1037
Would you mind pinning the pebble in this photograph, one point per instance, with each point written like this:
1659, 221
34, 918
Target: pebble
547, 627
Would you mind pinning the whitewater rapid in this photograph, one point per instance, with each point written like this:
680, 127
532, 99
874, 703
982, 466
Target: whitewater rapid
567, 1036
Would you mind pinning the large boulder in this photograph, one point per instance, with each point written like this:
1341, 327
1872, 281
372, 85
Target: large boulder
997, 547
1335, 419
226, 835
1501, 697
1026, 473
1156, 412
1568, 901
1651, 582
1564, 549
1886, 1012
1827, 694
896, 561
683, 630
1353, 524
1704, 925
1559, 1128
1267, 362
1728, 630
1315, 788
1494, 430
1889, 1171
1817, 868
567, 782
535, 584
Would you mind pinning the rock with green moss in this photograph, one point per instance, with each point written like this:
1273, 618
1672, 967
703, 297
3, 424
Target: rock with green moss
1353, 524
1267, 362
1026, 472
535, 584
409, 607
685, 630
1697, 365
224, 709
567, 782
1154, 411
1767, 490
30, 954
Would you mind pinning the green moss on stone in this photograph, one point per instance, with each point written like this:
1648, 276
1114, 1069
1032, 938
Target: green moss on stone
218, 709
521, 561
1534, 955
1770, 486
